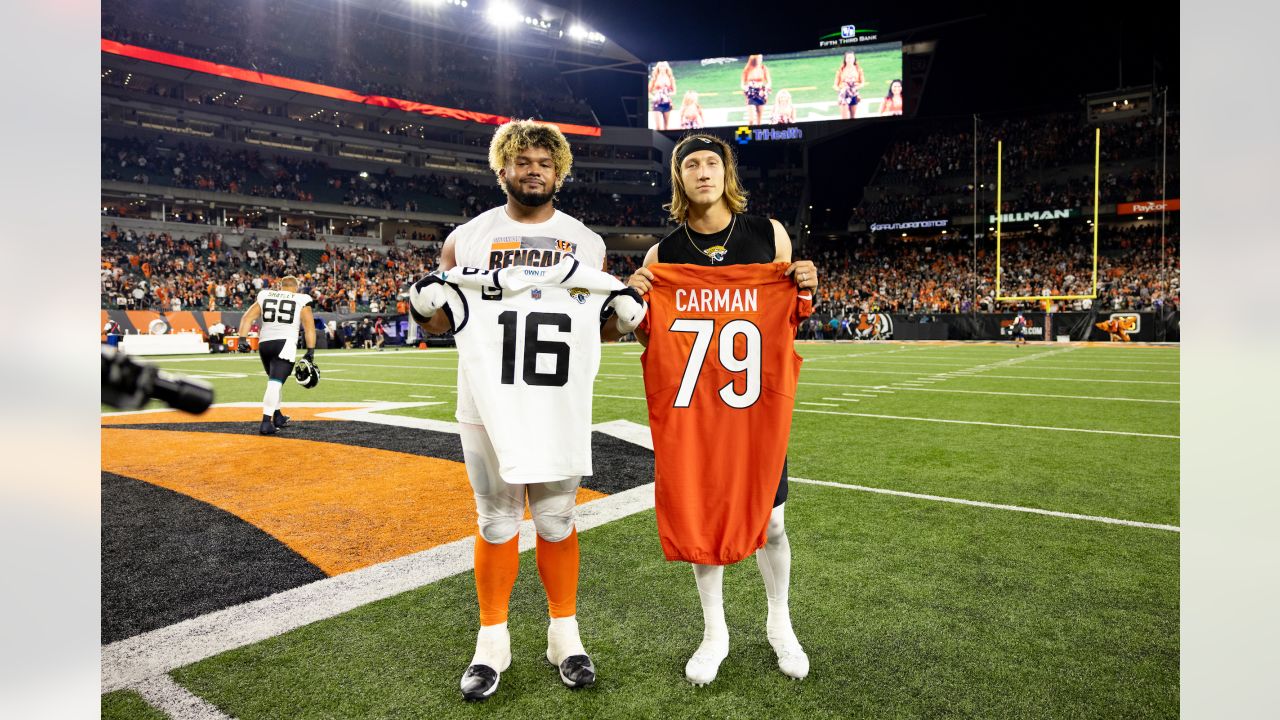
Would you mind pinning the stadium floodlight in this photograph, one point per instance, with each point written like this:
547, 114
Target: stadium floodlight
503, 14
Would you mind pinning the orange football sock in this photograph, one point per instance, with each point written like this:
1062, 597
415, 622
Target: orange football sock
558, 568
496, 568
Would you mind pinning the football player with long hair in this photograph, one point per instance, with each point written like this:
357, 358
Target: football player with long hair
708, 202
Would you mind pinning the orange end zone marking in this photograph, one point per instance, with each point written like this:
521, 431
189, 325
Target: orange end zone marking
341, 507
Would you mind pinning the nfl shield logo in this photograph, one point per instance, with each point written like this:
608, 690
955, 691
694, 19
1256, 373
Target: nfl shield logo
536, 293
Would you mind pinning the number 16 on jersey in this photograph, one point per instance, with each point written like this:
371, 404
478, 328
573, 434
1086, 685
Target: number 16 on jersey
748, 364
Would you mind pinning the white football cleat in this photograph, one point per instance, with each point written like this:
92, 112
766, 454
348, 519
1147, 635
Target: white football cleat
792, 660
703, 667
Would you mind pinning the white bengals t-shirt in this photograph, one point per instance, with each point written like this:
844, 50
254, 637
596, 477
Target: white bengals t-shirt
281, 317
492, 240
529, 350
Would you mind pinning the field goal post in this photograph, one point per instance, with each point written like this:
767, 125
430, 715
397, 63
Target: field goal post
1093, 294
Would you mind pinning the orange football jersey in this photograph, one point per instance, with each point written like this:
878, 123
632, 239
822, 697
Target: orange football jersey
720, 375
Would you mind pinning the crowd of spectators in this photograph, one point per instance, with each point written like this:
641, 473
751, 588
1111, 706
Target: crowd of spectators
370, 55
1029, 143
929, 173
883, 274
157, 271
942, 200
870, 274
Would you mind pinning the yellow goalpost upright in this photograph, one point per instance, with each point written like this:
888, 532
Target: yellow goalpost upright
1093, 292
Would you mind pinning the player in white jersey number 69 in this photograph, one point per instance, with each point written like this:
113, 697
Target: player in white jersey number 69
282, 310
531, 161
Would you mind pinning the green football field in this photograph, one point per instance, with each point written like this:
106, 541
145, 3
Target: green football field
809, 79
978, 530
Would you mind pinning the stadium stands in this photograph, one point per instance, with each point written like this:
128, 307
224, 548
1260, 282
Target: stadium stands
292, 40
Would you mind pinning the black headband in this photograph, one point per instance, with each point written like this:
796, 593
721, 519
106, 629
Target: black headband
695, 144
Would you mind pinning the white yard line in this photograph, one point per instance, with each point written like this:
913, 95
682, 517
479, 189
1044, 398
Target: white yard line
842, 399
162, 693
991, 424
976, 376
1086, 368
1039, 395
994, 506
387, 366
392, 382
819, 404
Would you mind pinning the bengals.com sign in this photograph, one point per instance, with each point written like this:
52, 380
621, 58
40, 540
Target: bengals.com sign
1153, 206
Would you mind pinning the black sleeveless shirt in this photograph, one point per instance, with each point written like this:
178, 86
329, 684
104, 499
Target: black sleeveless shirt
750, 242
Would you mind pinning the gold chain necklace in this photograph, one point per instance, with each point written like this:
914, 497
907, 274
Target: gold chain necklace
715, 252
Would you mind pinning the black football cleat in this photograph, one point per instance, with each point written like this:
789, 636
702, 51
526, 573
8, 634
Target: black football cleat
279, 419
577, 671
266, 428
479, 682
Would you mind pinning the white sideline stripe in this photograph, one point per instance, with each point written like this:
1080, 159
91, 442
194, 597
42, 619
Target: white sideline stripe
424, 397
993, 424
819, 404
994, 506
386, 366
842, 399
162, 693
1065, 397
118, 413
130, 661
319, 353
618, 397
864, 395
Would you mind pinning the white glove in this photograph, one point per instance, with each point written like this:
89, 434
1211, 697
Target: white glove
425, 298
629, 311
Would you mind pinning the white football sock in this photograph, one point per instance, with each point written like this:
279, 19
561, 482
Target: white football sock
563, 640
705, 663
774, 560
493, 647
271, 398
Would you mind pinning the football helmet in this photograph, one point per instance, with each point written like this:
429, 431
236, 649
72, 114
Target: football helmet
306, 373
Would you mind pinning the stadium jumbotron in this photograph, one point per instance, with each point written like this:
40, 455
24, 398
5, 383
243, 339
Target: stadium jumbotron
865, 297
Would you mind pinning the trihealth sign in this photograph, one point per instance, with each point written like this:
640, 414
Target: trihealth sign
746, 134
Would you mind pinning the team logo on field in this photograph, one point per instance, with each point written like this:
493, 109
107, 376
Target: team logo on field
716, 253
579, 294
536, 293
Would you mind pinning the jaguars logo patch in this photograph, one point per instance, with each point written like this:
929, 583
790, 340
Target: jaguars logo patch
716, 253
579, 294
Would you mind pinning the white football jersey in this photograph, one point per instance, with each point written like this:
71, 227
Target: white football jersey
492, 240
281, 317
529, 349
